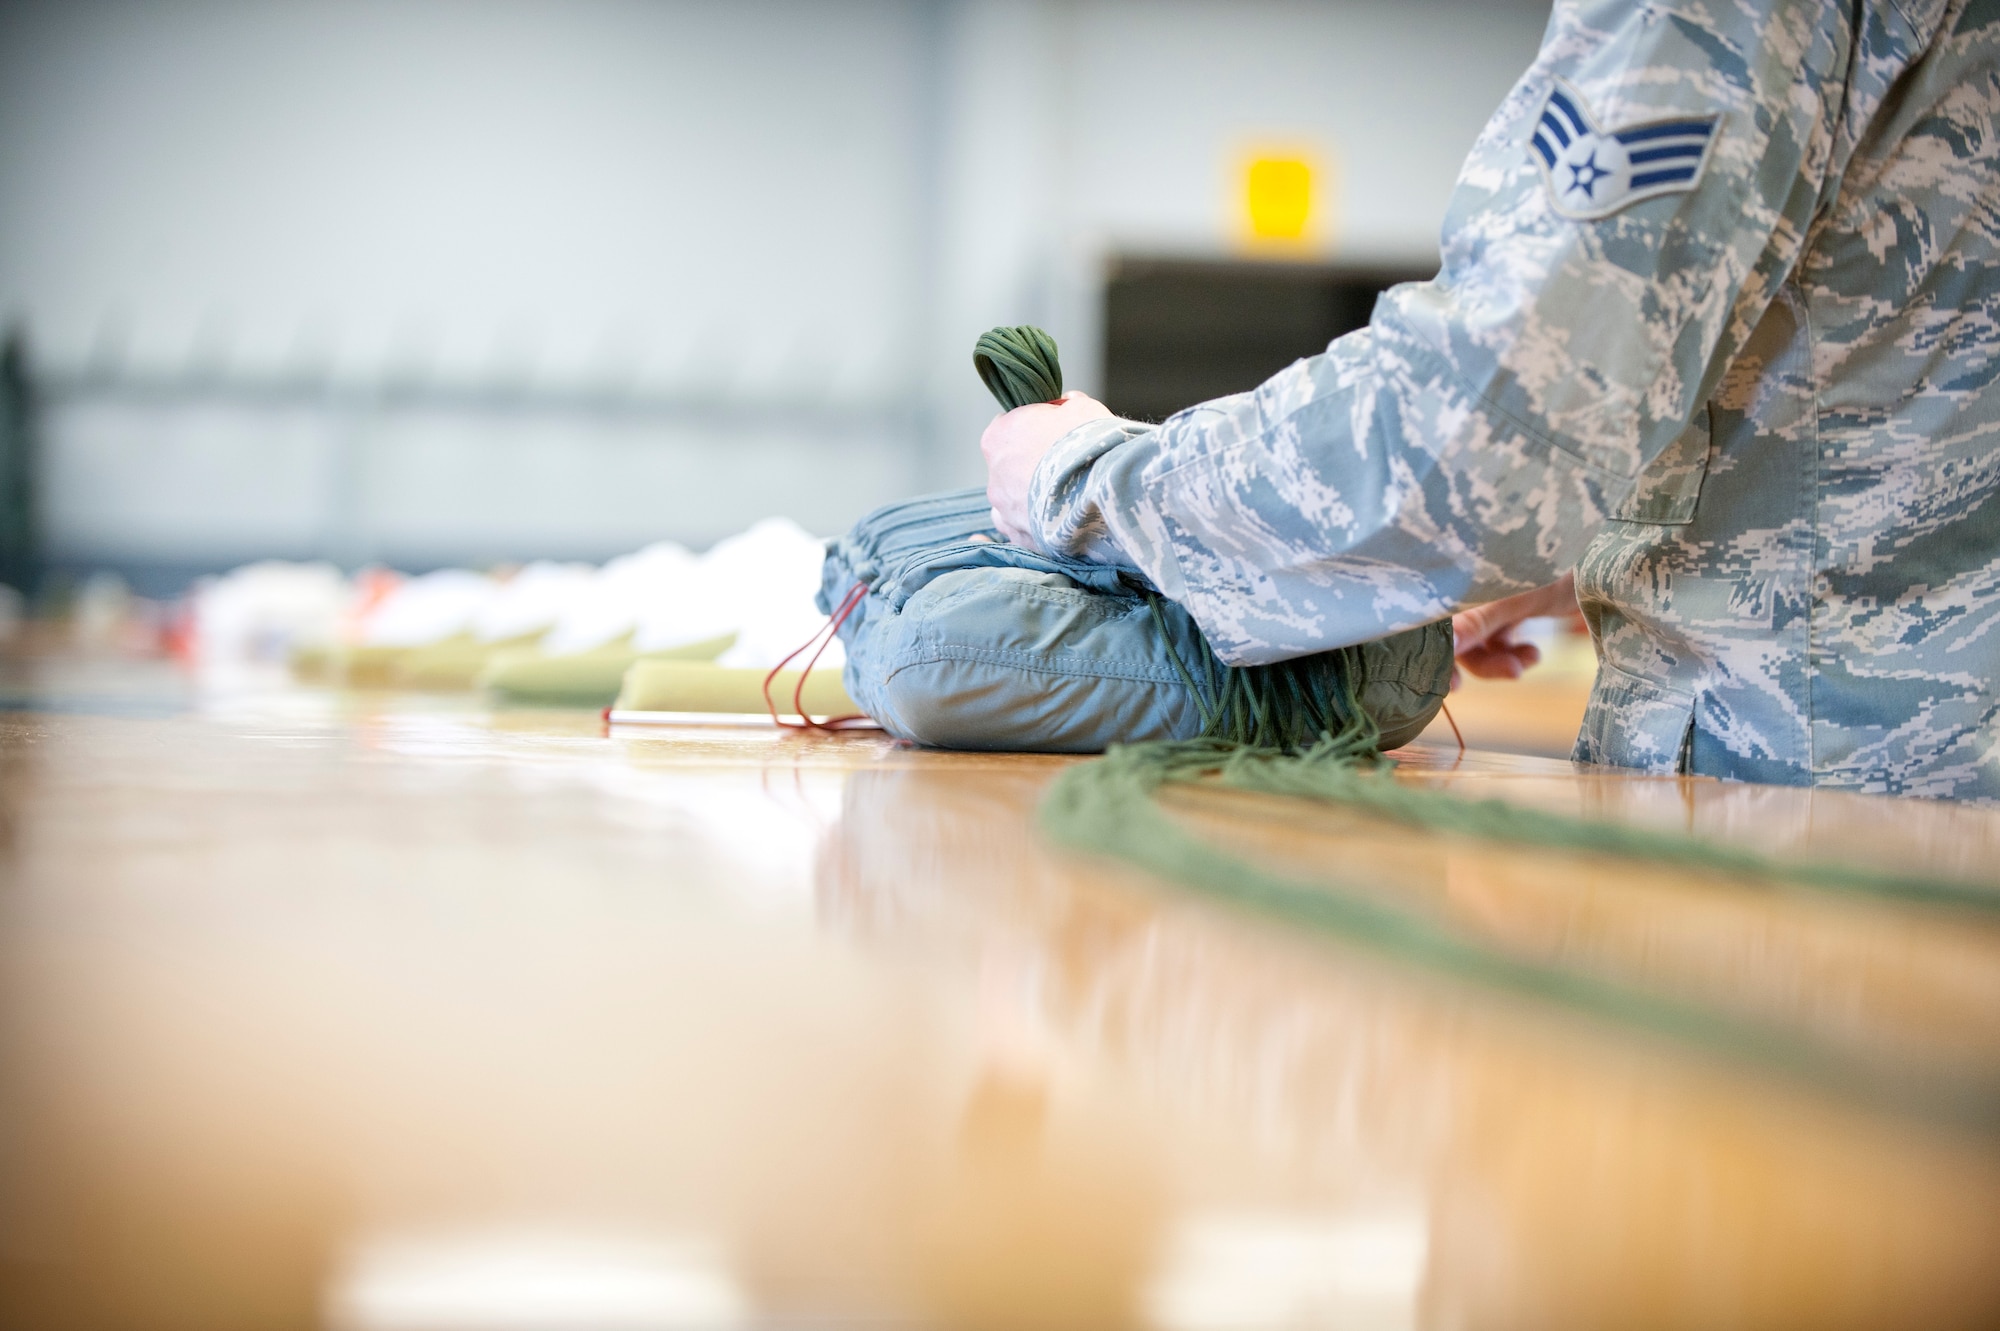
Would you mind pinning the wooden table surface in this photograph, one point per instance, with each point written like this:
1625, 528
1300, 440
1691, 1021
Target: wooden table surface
382, 1012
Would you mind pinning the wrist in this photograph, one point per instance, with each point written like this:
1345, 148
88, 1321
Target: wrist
1061, 517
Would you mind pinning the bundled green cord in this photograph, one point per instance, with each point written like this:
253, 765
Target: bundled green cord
1297, 729
1018, 366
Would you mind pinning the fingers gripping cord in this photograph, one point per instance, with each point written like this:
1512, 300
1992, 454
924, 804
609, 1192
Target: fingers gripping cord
817, 644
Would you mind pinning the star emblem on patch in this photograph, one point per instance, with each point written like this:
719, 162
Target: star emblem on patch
1592, 172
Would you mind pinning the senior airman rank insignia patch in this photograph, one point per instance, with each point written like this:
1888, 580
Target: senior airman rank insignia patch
1593, 173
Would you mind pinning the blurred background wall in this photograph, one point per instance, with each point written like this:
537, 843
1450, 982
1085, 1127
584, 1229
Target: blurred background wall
460, 281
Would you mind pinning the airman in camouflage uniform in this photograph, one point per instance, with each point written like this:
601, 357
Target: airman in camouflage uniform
1717, 328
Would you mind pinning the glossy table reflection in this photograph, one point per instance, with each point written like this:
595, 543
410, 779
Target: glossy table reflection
382, 1013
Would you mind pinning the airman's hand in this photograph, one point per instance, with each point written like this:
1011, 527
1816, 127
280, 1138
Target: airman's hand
1014, 445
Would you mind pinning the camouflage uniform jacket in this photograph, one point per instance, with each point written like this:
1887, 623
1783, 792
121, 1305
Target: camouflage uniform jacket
1717, 326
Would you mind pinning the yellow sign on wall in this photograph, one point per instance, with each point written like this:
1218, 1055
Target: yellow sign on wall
1280, 195
1284, 199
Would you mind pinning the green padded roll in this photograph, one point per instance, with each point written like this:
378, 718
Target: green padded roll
693, 686
581, 679
367, 665
454, 663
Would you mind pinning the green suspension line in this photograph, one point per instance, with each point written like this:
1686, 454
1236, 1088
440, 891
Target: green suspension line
1109, 807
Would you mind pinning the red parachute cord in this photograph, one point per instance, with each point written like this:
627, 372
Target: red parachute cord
817, 643
1454, 728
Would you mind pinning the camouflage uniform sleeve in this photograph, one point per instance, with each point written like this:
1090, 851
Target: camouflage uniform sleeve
1469, 442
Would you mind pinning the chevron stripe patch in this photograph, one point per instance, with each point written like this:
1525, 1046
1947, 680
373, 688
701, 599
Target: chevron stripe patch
1593, 173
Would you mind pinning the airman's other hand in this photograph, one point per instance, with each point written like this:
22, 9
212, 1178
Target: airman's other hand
1484, 635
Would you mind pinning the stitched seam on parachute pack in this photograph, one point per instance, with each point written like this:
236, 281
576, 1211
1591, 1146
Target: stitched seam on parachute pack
930, 647
1065, 598
1036, 663
920, 559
